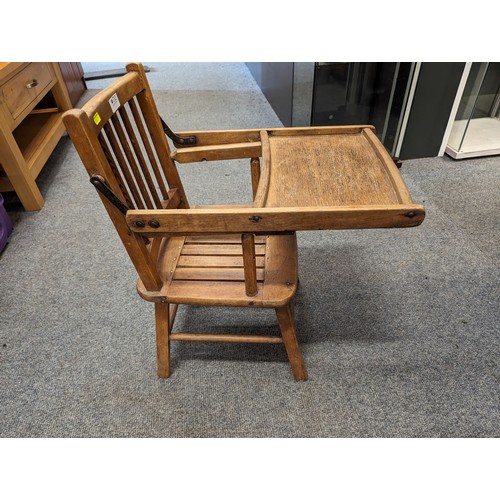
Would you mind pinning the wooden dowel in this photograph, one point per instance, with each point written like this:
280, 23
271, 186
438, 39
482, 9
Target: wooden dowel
172, 312
124, 142
255, 170
121, 162
116, 171
147, 145
205, 337
173, 200
158, 138
140, 157
249, 263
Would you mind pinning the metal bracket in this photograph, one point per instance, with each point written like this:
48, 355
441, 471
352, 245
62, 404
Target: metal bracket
100, 184
188, 140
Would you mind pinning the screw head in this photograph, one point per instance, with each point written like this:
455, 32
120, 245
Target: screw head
154, 224
140, 223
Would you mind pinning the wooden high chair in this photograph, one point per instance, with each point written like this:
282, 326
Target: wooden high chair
309, 179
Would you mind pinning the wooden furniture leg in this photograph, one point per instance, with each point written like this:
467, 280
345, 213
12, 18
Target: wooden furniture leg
18, 173
162, 339
285, 320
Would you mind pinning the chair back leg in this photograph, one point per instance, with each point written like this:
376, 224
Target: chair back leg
285, 320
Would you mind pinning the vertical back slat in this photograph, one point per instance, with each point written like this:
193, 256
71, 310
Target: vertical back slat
115, 146
140, 157
131, 160
161, 145
152, 120
147, 145
119, 178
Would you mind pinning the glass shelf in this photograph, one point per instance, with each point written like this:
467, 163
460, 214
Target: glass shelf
476, 130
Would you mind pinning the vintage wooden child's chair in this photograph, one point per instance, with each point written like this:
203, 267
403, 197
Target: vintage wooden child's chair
302, 179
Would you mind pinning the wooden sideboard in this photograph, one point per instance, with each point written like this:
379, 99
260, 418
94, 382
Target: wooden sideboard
33, 97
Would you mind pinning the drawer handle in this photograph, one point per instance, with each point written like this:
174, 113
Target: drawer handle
32, 85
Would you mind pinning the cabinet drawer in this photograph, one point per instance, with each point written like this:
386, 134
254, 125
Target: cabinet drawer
24, 87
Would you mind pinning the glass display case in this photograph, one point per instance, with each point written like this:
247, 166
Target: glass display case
411, 104
476, 129
362, 92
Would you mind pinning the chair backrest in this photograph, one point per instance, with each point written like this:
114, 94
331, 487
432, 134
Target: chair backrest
120, 139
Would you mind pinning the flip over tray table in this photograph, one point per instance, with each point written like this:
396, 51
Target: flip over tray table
310, 179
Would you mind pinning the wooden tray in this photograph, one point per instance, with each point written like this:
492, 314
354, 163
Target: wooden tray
311, 179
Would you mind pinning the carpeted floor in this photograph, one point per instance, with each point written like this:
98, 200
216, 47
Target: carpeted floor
399, 328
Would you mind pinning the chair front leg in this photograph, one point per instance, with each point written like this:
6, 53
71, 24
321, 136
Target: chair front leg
285, 320
162, 339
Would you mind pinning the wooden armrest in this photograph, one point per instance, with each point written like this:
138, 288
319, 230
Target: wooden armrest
236, 144
272, 220
220, 137
218, 152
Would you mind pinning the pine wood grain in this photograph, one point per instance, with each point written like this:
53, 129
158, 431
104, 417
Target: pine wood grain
214, 274
249, 263
213, 293
215, 261
255, 174
220, 337
217, 152
217, 249
265, 220
326, 170
220, 137
162, 339
285, 319
232, 239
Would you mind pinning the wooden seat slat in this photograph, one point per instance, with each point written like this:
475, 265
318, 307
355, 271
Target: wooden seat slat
217, 249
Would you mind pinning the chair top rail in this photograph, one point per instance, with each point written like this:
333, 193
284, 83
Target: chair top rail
99, 109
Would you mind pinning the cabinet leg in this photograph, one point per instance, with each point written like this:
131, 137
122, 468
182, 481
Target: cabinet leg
14, 165
29, 194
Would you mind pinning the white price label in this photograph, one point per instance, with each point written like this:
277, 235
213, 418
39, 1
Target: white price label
114, 102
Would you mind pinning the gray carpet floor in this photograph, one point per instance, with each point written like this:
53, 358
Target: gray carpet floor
399, 328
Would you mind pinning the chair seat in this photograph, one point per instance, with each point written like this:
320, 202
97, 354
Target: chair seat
208, 270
